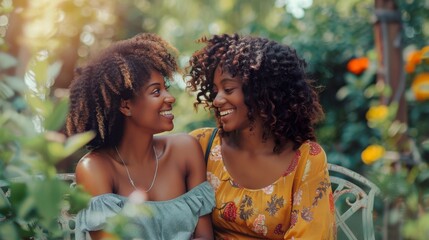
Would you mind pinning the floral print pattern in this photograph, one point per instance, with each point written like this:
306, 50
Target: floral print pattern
314, 148
297, 197
215, 154
213, 180
268, 190
275, 204
278, 230
259, 225
246, 210
229, 212
298, 205
306, 214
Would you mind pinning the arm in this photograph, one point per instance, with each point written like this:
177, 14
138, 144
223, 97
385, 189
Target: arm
312, 208
196, 174
92, 173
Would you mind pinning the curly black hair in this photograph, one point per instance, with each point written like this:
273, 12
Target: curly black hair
117, 73
275, 85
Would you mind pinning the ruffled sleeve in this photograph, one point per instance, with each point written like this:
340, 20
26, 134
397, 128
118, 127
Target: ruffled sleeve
201, 200
177, 218
93, 218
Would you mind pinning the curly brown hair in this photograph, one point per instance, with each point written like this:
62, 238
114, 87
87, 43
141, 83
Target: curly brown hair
115, 74
275, 85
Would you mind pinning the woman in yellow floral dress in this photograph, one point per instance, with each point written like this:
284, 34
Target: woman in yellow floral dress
269, 174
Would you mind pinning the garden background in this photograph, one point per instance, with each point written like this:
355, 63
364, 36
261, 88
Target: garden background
370, 56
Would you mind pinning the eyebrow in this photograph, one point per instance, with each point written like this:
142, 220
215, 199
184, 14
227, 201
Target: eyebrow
229, 80
153, 84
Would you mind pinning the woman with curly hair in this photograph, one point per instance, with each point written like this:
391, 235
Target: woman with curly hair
122, 96
269, 174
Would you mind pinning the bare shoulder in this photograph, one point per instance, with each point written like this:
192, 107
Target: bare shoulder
183, 146
94, 173
182, 141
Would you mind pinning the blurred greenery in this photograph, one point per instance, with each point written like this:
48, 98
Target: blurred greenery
48, 39
28, 154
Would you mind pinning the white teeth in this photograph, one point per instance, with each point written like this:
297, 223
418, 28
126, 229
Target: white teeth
166, 113
226, 112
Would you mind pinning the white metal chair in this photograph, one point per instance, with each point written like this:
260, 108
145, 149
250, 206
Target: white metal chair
67, 220
353, 195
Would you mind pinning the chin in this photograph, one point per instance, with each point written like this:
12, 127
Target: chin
227, 129
170, 128
164, 129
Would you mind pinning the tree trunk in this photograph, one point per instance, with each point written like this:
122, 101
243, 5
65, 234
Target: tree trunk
388, 44
390, 72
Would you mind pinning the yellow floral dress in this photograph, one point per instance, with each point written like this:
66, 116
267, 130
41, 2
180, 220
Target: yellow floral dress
298, 205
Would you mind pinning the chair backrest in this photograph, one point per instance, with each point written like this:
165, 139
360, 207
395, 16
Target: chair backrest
66, 220
353, 195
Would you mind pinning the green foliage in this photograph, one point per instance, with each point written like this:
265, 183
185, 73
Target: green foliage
31, 197
400, 171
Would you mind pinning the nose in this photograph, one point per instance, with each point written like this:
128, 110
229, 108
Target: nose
169, 98
219, 100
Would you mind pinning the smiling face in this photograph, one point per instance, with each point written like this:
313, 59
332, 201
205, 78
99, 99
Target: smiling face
151, 108
229, 101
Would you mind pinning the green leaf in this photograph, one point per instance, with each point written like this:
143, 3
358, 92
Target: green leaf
55, 120
26, 207
56, 151
6, 91
4, 201
48, 203
15, 83
7, 61
8, 230
39, 105
76, 142
78, 199
36, 143
19, 190
53, 71
16, 123
40, 69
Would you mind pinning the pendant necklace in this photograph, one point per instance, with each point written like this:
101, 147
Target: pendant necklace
128, 172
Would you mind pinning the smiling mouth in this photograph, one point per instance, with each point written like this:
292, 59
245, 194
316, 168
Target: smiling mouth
226, 112
167, 113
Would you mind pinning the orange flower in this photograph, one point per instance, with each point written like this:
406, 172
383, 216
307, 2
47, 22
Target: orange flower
425, 54
410, 68
420, 87
372, 153
358, 65
413, 59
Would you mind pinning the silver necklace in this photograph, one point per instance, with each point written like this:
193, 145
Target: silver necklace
128, 172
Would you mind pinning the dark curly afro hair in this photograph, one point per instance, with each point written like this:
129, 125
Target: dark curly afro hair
116, 73
274, 84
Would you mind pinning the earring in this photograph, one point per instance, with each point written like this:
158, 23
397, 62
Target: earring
129, 113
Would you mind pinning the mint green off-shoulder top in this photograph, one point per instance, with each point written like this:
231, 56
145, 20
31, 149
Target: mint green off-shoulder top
171, 219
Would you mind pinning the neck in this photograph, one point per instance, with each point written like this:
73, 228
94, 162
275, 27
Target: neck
136, 147
251, 141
